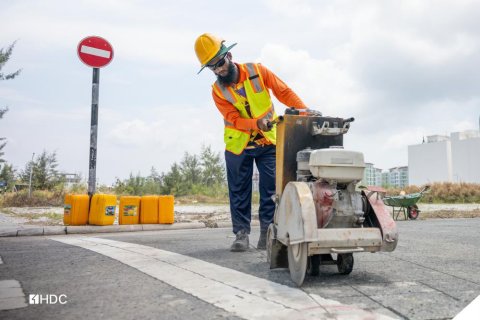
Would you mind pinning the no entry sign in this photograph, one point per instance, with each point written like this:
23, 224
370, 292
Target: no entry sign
95, 52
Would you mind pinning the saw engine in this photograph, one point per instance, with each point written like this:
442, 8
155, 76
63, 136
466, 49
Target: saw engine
332, 176
321, 217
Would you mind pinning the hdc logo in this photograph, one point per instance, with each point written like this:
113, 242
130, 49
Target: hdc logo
47, 299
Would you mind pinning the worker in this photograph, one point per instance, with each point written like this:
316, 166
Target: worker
242, 95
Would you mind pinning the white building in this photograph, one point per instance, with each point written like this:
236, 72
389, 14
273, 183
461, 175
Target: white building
431, 161
368, 175
446, 159
395, 177
398, 177
378, 177
466, 156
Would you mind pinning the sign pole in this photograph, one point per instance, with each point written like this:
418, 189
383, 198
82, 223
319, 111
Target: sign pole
93, 133
95, 52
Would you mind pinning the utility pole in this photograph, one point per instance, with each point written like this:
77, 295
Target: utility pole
30, 182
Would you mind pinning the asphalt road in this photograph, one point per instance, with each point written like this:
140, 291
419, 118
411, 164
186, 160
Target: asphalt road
433, 274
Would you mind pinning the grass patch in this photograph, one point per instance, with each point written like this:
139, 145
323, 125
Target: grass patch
446, 192
38, 198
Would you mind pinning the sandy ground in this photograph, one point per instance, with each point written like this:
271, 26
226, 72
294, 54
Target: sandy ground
210, 214
52, 216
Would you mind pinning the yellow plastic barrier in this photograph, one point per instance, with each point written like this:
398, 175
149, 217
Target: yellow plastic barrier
165, 209
129, 210
149, 210
102, 209
75, 209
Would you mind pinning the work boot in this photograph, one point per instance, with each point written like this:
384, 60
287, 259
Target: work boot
262, 240
241, 242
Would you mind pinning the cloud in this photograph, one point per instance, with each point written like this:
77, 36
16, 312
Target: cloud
290, 8
324, 85
412, 54
142, 36
403, 69
13, 95
133, 133
404, 138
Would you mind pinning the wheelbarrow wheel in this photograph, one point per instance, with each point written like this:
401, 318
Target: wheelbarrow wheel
413, 212
345, 263
313, 267
297, 262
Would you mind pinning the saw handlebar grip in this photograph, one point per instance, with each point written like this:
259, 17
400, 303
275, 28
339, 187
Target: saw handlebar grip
278, 119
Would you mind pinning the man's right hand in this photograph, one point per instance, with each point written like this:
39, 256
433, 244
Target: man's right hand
262, 124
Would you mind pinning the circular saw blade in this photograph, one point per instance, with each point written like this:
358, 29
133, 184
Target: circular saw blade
297, 262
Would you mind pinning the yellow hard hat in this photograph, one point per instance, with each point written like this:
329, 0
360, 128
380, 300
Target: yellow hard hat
208, 46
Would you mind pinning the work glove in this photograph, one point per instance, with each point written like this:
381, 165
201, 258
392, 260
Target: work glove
262, 124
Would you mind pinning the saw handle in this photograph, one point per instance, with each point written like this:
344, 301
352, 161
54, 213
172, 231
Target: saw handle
278, 119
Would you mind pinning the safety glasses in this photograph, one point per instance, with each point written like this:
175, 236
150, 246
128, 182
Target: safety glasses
219, 63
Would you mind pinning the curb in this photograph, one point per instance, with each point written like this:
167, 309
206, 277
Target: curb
63, 230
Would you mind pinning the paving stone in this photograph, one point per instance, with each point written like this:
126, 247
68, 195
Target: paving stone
30, 232
54, 230
8, 232
11, 295
11, 292
9, 284
13, 303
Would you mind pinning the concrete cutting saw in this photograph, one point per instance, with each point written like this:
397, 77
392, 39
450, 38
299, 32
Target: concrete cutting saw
321, 215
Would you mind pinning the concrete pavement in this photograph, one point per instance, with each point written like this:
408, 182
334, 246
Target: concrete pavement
433, 274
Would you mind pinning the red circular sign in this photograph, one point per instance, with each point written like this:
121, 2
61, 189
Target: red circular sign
95, 51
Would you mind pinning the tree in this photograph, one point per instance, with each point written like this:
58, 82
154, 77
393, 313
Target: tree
44, 172
7, 176
173, 181
196, 174
153, 183
213, 169
135, 184
138, 185
2, 139
191, 169
4, 56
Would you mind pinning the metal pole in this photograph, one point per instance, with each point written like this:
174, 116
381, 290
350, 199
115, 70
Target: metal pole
31, 173
93, 133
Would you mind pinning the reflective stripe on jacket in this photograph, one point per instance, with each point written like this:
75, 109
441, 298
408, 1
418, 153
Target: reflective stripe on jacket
258, 102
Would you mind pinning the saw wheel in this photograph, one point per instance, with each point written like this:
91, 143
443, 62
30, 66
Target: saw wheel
297, 262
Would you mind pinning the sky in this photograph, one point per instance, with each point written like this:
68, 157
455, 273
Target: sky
402, 69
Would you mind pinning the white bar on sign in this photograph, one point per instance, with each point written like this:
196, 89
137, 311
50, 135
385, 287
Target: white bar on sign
95, 52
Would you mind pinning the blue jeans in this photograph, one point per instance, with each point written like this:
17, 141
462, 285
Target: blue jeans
239, 176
